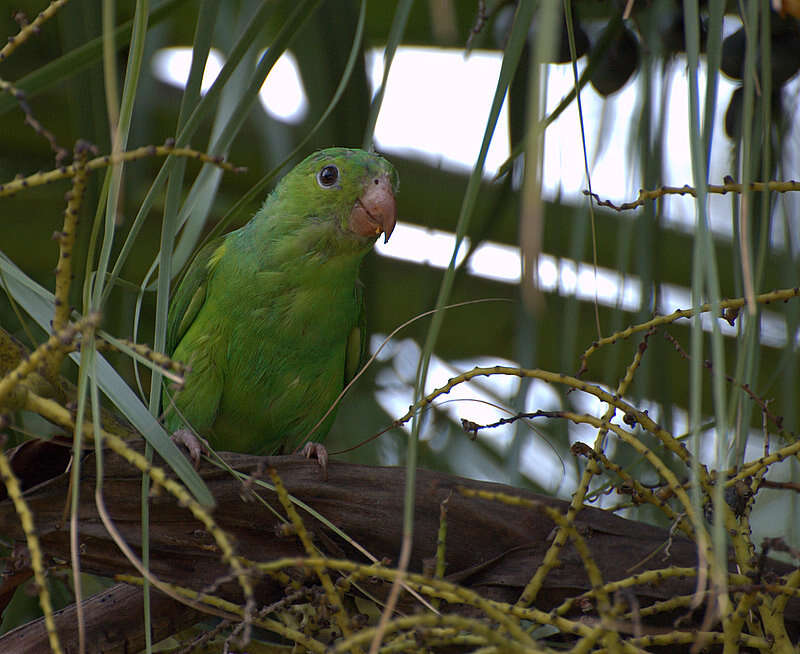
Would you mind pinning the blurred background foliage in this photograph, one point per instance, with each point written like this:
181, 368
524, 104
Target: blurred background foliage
61, 71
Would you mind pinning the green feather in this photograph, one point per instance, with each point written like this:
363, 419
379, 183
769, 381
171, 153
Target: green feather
271, 316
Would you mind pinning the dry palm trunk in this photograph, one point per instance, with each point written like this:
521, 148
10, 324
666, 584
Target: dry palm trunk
492, 548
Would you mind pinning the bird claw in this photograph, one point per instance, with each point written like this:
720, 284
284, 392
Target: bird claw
317, 451
192, 443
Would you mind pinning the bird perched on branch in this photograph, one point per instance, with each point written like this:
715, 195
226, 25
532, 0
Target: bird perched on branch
270, 317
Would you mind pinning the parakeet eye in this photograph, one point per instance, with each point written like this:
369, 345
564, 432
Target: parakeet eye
328, 176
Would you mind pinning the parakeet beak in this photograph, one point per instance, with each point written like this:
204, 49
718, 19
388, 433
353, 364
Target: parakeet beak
375, 212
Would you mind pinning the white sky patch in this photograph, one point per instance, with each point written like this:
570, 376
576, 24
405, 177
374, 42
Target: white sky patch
436, 105
433, 247
496, 261
606, 126
501, 263
283, 95
541, 464
481, 399
171, 65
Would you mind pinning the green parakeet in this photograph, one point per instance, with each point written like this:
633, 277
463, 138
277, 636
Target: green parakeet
270, 317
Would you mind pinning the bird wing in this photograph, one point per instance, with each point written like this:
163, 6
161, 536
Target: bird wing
190, 295
357, 340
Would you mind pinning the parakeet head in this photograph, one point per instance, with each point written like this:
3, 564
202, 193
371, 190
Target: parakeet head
353, 190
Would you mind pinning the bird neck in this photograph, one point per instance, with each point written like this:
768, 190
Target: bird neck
298, 243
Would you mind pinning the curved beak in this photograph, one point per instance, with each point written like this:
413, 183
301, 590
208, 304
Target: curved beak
375, 212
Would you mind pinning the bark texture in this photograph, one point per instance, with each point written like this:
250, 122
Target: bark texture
492, 548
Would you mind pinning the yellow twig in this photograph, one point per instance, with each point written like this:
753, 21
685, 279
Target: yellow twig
59, 341
64, 172
37, 564
720, 189
737, 303
66, 241
236, 610
30, 29
342, 619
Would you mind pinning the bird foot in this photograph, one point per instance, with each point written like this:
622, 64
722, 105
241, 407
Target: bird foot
192, 443
317, 451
